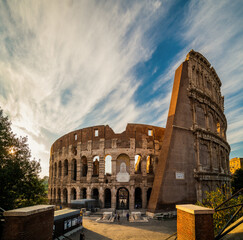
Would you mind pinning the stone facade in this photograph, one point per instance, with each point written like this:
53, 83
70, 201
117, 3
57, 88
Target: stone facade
95, 162
195, 154
190, 156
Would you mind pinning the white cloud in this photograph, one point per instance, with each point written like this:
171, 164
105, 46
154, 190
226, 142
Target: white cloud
60, 59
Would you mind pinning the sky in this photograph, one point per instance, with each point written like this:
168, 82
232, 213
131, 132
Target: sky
70, 64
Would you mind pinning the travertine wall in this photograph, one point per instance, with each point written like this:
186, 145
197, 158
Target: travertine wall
68, 179
190, 156
195, 154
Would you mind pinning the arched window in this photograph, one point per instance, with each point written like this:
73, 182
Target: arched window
65, 196
107, 198
59, 169
138, 198
84, 166
137, 164
83, 193
55, 170
149, 165
74, 169
65, 167
95, 194
96, 160
54, 194
108, 164
73, 194
59, 195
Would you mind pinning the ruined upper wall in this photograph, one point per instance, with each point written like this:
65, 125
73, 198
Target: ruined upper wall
195, 154
138, 132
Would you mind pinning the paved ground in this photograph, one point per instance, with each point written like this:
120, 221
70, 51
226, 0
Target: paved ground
154, 229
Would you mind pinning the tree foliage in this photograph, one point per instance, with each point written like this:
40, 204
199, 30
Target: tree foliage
214, 199
20, 183
237, 180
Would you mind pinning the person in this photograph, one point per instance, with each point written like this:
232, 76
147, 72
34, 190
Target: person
115, 217
118, 217
128, 216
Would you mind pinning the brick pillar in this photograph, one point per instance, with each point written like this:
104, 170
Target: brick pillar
35, 223
101, 169
88, 193
101, 197
78, 169
90, 168
113, 198
131, 198
194, 222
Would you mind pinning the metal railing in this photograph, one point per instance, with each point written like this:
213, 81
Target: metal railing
222, 232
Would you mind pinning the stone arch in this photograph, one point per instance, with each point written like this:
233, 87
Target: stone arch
65, 167
55, 170
54, 195
95, 194
73, 194
107, 198
83, 193
137, 164
204, 155
122, 198
96, 161
65, 195
59, 169
59, 195
149, 164
211, 121
200, 116
74, 169
138, 198
84, 164
120, 159
108, 166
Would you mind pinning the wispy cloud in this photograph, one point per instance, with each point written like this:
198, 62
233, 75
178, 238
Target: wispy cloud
59, 60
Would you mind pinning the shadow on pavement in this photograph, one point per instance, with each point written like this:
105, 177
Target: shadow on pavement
90, 235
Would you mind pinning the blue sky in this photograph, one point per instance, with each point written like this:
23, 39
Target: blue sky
66, 65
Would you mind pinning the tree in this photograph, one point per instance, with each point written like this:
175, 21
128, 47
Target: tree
20, 183
214, 199
237, 180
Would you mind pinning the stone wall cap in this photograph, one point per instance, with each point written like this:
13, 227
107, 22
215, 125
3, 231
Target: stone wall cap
194, 209
19, 212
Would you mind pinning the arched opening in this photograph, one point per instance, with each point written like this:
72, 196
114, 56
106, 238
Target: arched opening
74, 169
65, 167
59, 195
83, 193
55, 170
218, 128
149, 165
73, 194
96, 166
107, 198
148, 194
122, 198
137, 166
65, 196
95, 194
59, 169
84, 166
54, 198
108, 164
138, 198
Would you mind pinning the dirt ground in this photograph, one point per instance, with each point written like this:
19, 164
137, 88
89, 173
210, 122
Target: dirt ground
154, 229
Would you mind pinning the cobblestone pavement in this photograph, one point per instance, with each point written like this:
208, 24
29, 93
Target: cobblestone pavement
154, 229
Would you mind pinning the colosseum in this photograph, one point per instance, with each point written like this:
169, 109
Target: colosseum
149, 167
